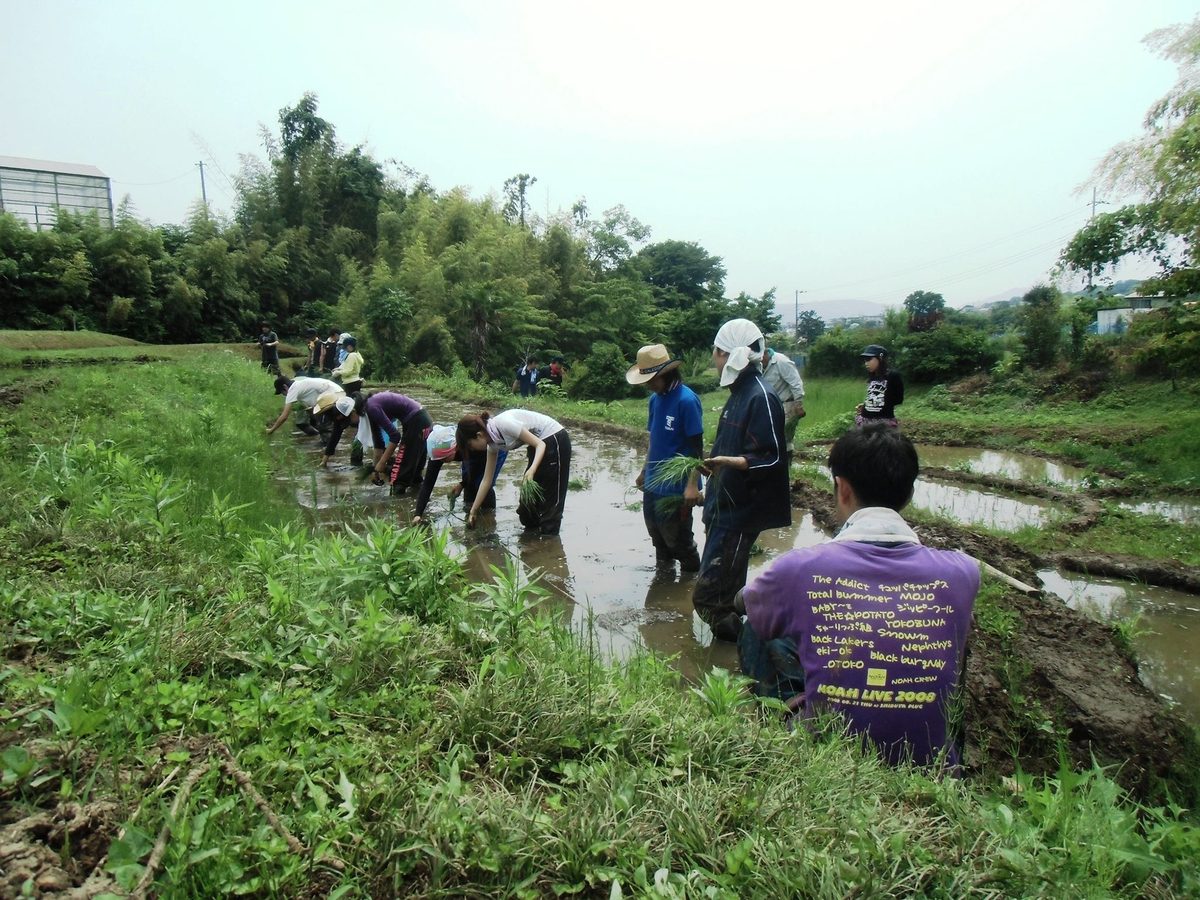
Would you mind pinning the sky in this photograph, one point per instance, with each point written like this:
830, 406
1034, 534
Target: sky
837, 152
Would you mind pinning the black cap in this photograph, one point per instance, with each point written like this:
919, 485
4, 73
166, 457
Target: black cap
873, 350
310, 332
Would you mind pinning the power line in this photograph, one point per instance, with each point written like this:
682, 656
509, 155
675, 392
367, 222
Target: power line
151, 183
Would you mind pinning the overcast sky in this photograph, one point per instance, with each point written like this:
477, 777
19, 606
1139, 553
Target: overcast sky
852, 150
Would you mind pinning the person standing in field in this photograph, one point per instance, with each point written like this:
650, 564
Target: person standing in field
349, 372
268, 342
870, 625
747, 491
442, 447
329, 351
548, 449
676, 425
885, 389
527, 377
306, 392
784, 379
553, 373
312, 365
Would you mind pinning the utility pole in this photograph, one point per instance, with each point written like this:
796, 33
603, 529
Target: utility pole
203, 191
796, 324
1091, 219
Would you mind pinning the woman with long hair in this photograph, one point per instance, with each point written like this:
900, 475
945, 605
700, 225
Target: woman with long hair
548, 449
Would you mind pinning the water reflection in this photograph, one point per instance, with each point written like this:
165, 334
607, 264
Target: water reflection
975, 506
1168, 622
600, 568
1017, 466
1181, 511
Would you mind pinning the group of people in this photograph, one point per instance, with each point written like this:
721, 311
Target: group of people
870, 625
868, 630
529, 375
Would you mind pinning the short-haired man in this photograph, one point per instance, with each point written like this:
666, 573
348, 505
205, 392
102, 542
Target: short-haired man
527, 378
268, 342
870, 625
781, 374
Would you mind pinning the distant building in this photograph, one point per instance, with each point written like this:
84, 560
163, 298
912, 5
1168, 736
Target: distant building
35, 189
1115, 319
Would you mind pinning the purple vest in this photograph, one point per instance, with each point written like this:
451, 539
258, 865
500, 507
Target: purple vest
881, 633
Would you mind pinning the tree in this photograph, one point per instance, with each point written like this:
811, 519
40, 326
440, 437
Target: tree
1041, 326
809, 326
925, 310
681, 273
1161, 165
610, 241
516, 202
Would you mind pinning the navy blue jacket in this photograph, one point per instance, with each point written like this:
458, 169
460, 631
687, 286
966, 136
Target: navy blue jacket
751, 425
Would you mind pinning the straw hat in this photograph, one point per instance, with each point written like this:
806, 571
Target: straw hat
336, 399
651, 360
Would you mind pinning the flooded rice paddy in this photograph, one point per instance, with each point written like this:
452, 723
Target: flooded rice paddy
1166, 629
600, 569
1017, 466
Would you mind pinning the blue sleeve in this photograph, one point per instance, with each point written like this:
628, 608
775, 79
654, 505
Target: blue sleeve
693, 416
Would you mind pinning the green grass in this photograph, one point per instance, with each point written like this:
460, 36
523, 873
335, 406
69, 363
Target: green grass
1148, 430
434, 736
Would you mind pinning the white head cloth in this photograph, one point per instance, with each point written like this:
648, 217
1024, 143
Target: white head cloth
735, 338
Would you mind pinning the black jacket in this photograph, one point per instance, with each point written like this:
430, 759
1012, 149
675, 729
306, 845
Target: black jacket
751, 426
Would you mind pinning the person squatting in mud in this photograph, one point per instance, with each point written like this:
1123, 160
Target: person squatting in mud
675, 422
870, 625
442, 447
747, 490
885, 389
549, 462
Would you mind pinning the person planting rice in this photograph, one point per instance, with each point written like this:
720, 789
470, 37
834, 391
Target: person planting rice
544, 484
382, 411
748, 489
885, 389
893, 678
306, 392
670, 478
441, 447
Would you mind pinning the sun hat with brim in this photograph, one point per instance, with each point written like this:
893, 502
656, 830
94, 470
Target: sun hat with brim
873, 350
334, 400
652, 360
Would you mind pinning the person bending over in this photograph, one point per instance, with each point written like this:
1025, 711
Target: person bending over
442, 447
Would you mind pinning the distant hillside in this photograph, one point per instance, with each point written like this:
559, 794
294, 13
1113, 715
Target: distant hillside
829, 309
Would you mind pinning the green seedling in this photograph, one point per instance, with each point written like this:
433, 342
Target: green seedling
670, 472
531, 492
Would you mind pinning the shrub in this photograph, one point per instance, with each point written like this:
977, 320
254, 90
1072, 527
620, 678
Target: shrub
945, 353
602, 375
837, 352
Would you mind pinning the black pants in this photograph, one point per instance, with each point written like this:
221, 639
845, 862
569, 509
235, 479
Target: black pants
553, 475
408, 465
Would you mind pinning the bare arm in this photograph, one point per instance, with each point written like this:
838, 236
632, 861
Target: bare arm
283, 416
489, 475
539, 451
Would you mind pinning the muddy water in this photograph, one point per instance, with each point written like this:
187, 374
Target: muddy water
1017, 466
1182, 511
976, 506
1169, 624
600, 568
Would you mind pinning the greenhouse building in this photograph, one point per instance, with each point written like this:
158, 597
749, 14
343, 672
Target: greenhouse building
35, 189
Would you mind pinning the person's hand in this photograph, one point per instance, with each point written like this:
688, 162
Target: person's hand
471, 520
733, 462
691, 496
641, 479
376, 478
270, 430
417, 520
324, 463
456, 490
